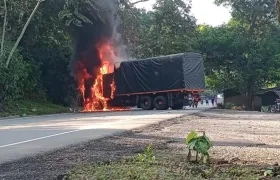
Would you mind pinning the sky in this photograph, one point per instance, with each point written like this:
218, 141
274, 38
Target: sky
205, 11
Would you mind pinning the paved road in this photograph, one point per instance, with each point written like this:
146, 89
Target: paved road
23, 137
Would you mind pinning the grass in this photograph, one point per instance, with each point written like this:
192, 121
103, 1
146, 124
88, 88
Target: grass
172, 167
27, 107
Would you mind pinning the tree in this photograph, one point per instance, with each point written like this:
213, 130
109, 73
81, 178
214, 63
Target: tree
255, 21
45, 47
77, 13
235, 61
168, 29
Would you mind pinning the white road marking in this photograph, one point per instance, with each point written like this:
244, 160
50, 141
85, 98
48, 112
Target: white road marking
68, 132
40, 138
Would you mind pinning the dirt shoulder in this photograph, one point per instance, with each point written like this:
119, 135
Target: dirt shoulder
239, 137
249, 136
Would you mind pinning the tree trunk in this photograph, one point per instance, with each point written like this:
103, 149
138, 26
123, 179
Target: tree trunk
4, 29
250, 94
22, 32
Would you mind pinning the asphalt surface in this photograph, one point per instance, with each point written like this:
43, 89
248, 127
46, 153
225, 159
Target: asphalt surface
24, 137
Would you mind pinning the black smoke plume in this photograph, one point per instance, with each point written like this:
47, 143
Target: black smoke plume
103, 26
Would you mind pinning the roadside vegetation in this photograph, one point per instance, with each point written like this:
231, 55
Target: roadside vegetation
161, 165
193, 163
164, 167
28, 108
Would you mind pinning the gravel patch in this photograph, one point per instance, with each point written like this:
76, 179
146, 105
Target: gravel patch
239, 137
244, 137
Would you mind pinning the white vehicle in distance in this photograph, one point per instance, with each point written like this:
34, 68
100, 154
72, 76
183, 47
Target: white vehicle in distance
220, 99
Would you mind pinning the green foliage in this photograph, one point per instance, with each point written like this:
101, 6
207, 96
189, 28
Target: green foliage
251, 11
268, 172
209, 92
17, 81
47, 51
265, 109
72, 16
273, 171
147, 156
229, 105
28, 107
200, 144
168, 166
221, 106
191, 136
168, 29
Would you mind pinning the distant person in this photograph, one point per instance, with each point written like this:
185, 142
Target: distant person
190, 101
207, 102
195, 103
213, 101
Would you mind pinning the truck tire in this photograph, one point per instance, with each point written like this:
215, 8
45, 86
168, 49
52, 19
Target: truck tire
160, 103
146, 103
177, 106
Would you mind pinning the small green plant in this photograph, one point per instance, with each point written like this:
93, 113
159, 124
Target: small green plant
229, 105
200, 144
272, 171
265, 109
148, 156
269, 172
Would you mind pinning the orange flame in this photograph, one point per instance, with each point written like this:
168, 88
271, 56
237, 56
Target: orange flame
97, 102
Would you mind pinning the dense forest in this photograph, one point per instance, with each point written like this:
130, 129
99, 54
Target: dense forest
244, 53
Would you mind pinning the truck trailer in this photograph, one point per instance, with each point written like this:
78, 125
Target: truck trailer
156, 83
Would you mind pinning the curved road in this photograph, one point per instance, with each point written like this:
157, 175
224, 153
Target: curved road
21, 137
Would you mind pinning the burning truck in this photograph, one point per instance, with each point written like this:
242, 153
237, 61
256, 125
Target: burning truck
155, 83
160, 82
107, 82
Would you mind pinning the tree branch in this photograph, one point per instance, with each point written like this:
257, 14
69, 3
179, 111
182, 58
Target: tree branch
139, 1
4, 29
253, 25
278, 9
129, 4
22, 32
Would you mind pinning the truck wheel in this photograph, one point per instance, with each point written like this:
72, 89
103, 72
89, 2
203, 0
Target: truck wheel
160, 103
177, 106
146, 103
